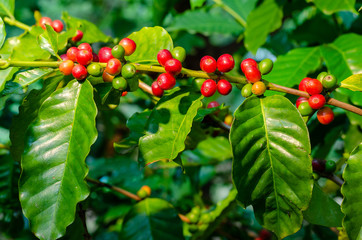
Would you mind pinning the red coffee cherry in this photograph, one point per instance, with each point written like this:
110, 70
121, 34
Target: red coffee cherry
318, 166
166, 81
213, 104
72, 53
78, 36
163, 55
313, 86
105, 54
84, 57
208, 88
300, 100
247, 63
208, 64
156, 89
225, 63
45, 21
114, 66
325, 115
316, 101
66, 67
57, 26
124, 93
129, 46
224, 87
302, 84
173, 66
64, 57
79, 72
95, 57
252, 74
258, 88
85, 46
107, 77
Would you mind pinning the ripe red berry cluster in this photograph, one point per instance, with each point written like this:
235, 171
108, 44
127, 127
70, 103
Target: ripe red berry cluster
253, 71
57, 25
172, 62
87, 63
323, 167
225, 63
316, 101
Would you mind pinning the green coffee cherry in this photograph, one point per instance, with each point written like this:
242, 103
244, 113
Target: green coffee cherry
118, 52
205, 218
128, 71
265, 66
329, 81
119, 83
321, 76
192, 217
197, 83
330, 166
305, 109
179, 53
246, 90
94, 69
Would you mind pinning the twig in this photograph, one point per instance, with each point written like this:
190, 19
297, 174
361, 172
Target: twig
14, 22
82, 216
336, 179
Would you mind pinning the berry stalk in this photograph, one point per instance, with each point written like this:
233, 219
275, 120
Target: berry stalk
14, 22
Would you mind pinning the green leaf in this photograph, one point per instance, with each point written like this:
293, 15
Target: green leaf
169, 124
215, 148
160, 8
27, 48
7, 8
241, 7
30, 76
353, 82
291, 68
49, 41
2, 32
53, 167
149, 41
263, 20
343, 57
272, 164
323, 210
196, 3
206, 23
352, 192
150, 219
91, 33
5, 53
28, 111
6, 75
329, 7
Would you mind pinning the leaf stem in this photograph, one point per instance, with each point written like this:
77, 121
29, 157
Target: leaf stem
229, 10
13, 22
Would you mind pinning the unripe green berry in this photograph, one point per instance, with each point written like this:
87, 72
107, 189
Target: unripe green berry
205, 218
330, 166
118, 52
94, 69
305, 109
192, 217
179, 53
128, 71
197, 83
329, 81
119, 83
246, 90
321, 76
265, 66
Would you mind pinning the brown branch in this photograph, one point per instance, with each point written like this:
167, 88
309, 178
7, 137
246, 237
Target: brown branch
145, 87
335, 179
345, 106
82, 216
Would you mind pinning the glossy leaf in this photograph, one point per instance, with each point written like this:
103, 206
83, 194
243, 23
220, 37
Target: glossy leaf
28, 112
91, 33
329, 7
152, 218
263, 20
49, 41
323, 210
169, 124
241, 7
149, 41
2, 32
53, 167
30, 76
343, 57
272, 164
291, 68
352, 192
353, 82
5, 53
204, 22
7, 8
27, 48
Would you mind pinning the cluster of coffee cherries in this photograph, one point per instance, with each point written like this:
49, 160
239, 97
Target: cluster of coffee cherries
323, 167
199, 219
317, 89
57, 25
144, 192
88, 63
253, 71
208, 87
172, 62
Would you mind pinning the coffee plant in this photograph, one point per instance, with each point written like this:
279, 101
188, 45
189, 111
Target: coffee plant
224, 119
